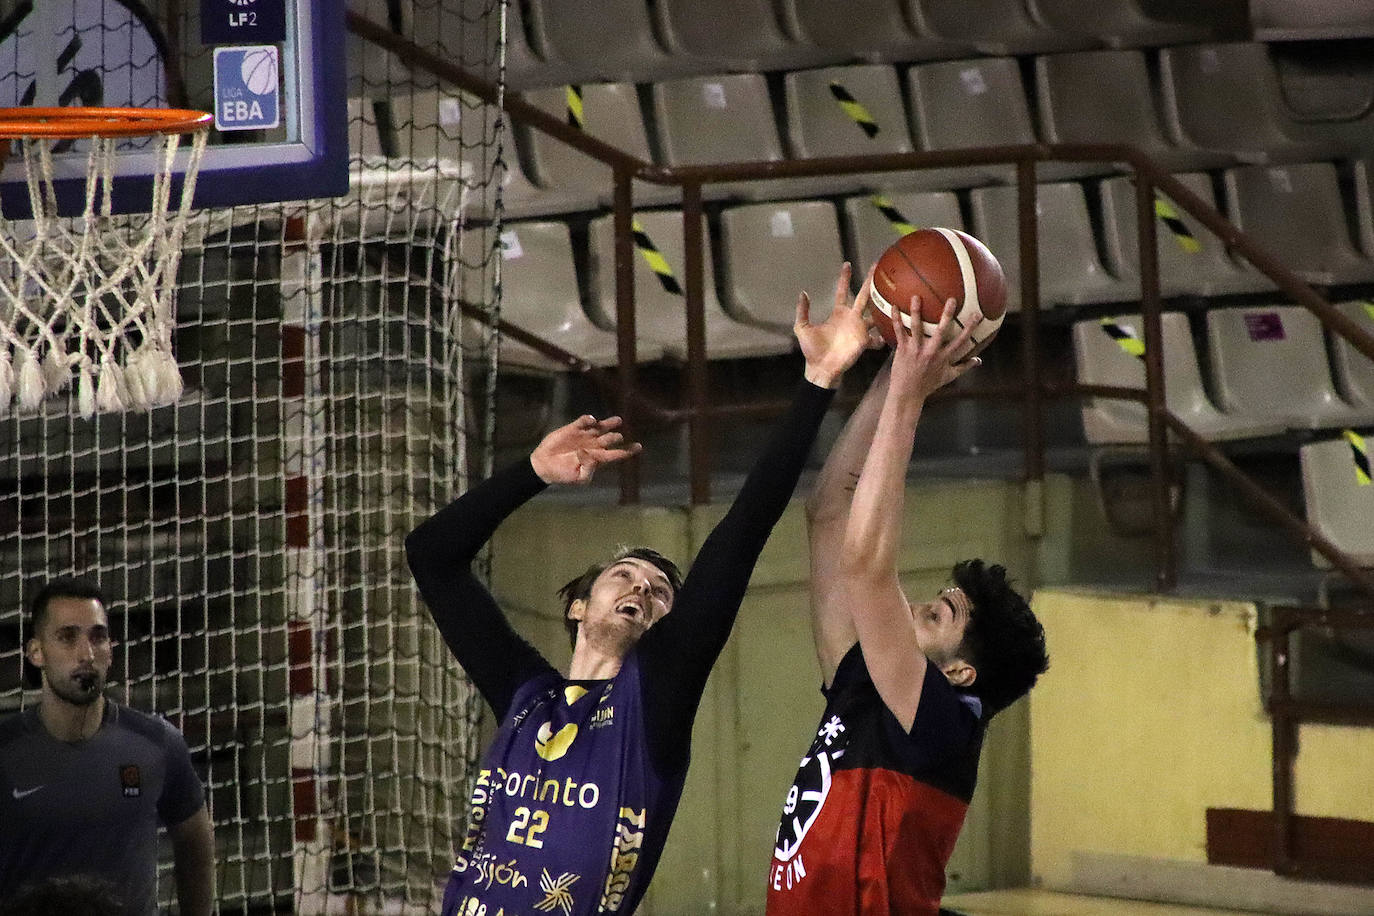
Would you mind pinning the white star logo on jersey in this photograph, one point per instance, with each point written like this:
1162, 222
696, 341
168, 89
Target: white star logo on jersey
831, 730
556, 893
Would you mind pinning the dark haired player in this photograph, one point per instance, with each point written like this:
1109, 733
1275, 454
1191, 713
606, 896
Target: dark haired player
576, 793
85, 781
878, 801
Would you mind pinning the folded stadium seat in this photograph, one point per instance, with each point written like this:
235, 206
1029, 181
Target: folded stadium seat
606, 41
718, 119
1353, 370
997, 27
871, 30
1269, 363
1227, 97
959, 104
1106, 97
607, 111
469, 36
1362, 192
1117, 23
1109, 351
660, 303
770, 252
875, 221
851, 111
1071, 272
1297, 213
1192, 260
1328, 88
539, 294
1311, 20
1338, 496
733, 35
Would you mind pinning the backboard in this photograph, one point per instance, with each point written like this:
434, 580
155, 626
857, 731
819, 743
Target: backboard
270, 71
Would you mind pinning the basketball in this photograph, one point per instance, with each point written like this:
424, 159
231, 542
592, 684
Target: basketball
259, 70
939, 264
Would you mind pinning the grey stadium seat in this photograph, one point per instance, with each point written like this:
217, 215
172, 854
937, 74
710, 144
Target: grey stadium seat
996, 27
1071, 271
1353, 371
1107, 97
720, 118
1310, 20
607, 111
606, 41
847, 111
540, 295
1269, 363
871, 30
1338, 499
1108, 351
771, 252
1192, 260
1297, 212
1226, 96
1117, 23
877, 220
660, 305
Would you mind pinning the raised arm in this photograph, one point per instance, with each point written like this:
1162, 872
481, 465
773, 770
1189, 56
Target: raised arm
441, 551
827, 512
866, 567
680, 650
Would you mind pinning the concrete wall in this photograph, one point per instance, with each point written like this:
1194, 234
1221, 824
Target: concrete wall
1150, 715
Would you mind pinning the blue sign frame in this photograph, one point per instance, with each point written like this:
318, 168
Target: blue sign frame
313, 165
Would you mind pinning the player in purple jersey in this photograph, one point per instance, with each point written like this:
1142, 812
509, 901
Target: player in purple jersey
576, 793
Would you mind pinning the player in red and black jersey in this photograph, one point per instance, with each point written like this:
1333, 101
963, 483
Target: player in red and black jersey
872, 816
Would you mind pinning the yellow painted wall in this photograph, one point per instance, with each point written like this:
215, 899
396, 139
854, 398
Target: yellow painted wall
1150, 714
763, 701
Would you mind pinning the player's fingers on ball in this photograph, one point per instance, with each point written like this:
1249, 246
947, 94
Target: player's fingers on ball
865, 292
964, 365
946, 315
842, 286
963, 339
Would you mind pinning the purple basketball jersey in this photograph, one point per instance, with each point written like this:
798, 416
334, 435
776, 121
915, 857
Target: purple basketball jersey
561, 816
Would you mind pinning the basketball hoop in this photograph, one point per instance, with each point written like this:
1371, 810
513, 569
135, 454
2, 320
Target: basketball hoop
92, 295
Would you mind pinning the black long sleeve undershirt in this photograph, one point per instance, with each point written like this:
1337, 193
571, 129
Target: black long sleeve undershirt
677, 654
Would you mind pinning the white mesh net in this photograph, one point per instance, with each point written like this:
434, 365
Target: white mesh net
249, 536
91, 297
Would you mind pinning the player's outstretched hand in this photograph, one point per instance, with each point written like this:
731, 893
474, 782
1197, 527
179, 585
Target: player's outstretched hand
572, 453
832, 346
924, 364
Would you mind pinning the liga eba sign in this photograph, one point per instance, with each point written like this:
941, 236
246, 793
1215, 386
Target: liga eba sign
247, 87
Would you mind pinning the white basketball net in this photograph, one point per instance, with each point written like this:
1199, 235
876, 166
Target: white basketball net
92, 297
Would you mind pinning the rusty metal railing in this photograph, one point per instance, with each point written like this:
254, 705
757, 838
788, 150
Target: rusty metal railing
1286, 713
1033, 389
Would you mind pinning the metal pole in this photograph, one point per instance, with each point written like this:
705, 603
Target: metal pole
1155, 403
625, 322
693, 238
1033, 421
1284, 748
